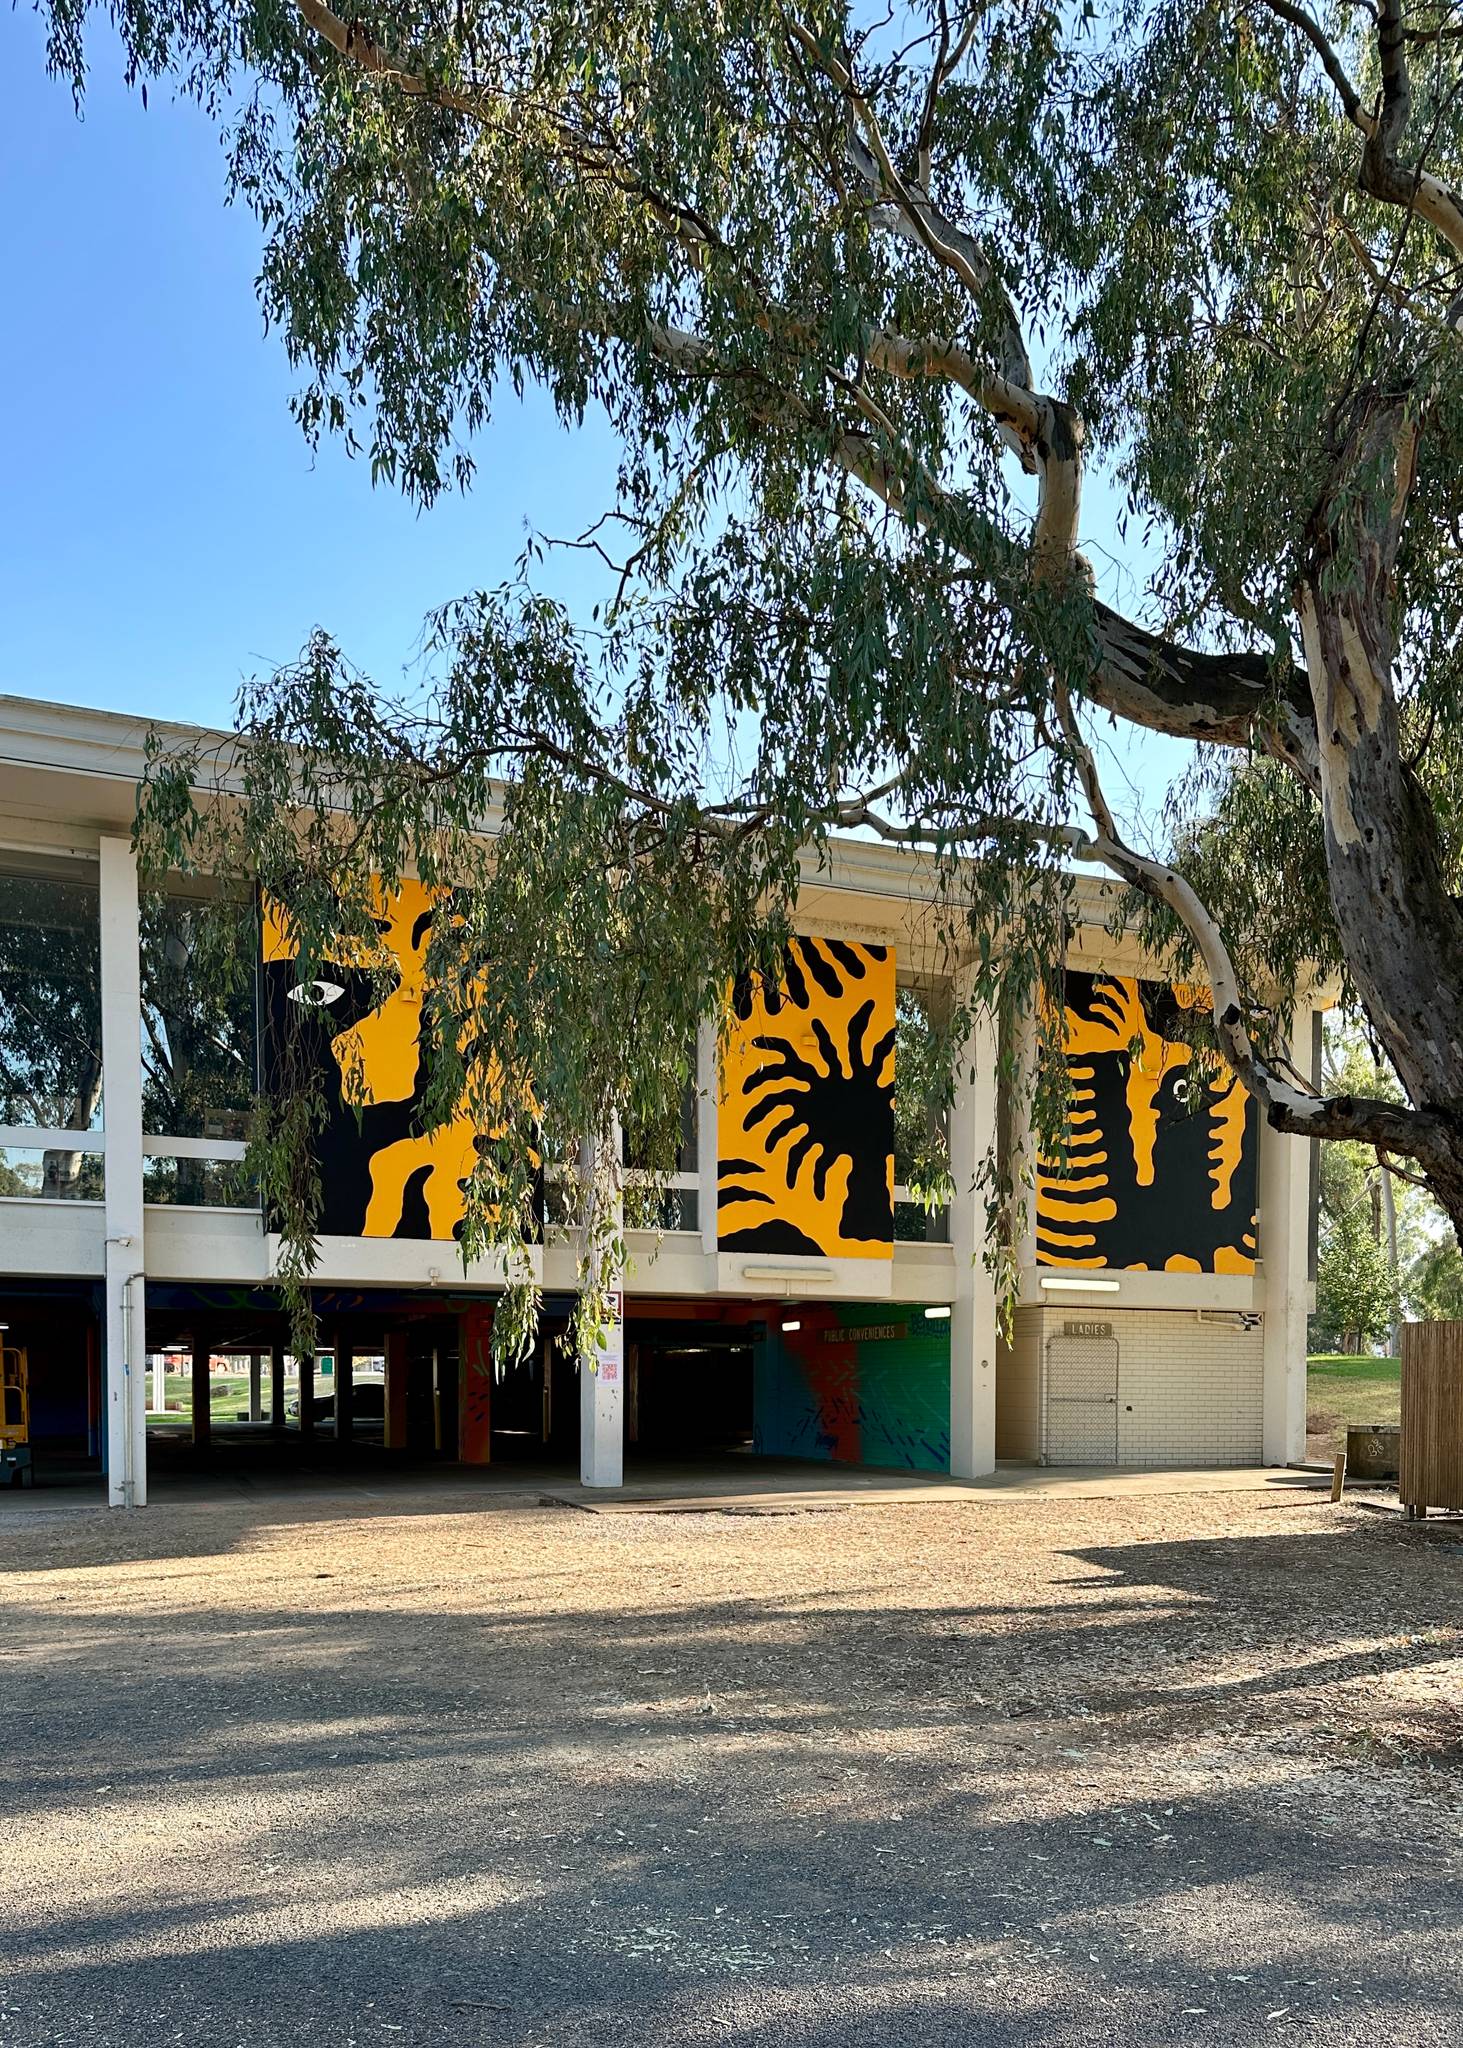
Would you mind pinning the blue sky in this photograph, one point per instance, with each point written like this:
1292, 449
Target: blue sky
165, 530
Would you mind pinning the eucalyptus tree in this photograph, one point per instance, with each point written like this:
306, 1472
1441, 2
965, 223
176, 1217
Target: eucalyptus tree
866, 296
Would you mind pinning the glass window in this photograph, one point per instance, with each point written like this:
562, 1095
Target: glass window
921, 1119
51, 1006
30, 1173
199, 1183
198, 1018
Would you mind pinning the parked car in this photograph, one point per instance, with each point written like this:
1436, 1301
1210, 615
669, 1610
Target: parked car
368, 1406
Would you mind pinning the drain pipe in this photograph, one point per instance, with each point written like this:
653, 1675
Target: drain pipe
129, 1386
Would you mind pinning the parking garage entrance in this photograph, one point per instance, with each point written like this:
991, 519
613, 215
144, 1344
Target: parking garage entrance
403, 1380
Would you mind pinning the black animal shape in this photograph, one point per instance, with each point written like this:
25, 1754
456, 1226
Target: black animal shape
823, 1105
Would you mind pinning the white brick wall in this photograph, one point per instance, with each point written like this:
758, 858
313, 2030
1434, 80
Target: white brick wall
1190, 1391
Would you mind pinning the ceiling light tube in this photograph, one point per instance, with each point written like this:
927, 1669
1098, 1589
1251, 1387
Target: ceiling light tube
939, 1314
1065, 1286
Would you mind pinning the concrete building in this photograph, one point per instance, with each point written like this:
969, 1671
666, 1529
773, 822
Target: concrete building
785, 1308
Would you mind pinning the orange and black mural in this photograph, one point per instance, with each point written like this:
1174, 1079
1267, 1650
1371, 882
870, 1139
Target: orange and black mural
1162, 1139
382, 1173
805, 1121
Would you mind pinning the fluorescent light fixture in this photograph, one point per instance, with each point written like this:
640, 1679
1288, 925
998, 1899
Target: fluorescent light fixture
941, 1314
792, 1323
1052, 1285
807, 1271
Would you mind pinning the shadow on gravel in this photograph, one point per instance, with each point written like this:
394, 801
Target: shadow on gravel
803, 1821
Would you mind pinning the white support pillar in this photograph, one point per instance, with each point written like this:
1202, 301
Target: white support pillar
1284, 1246
159, 1383
124, 1336
602, 1376
602, 1407
973, 1311
706, 1134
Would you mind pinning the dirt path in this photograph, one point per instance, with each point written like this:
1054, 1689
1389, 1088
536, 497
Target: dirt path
1159, 1769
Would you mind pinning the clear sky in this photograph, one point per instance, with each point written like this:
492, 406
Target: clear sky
164, 529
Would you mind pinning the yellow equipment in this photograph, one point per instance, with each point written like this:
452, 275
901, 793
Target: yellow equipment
15, 1464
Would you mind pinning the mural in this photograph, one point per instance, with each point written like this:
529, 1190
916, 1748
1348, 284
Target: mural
858, 1384
382, 1175
805, 1123
1161, 1142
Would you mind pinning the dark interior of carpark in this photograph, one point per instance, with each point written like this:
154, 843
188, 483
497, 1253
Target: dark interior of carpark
688, 1376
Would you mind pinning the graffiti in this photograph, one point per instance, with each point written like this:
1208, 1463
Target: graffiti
806, 1118
1159, 1165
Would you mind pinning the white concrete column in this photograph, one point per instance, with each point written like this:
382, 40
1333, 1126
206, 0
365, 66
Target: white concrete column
973, 1311
602, 1407
706, 1139
159, 1384
1284, 1240
124, 1335
602, 1375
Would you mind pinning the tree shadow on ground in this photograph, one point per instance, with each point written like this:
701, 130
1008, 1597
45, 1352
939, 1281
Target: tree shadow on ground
574, 1807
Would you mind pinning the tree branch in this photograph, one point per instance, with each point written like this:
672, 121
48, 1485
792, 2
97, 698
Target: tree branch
1419, 1134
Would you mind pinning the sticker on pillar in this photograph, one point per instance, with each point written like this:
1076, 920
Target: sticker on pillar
1159, 1172
805, 1121
610, 1350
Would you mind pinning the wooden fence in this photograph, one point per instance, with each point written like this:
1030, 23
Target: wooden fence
1431, 1462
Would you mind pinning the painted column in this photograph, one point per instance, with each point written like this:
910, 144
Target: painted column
475, 1385
602, 1373
396, 1371
973, 1310
95, 1404
124, 1322
256, 1387
202, 1397
1284, 1241
276, 1387
159, 1384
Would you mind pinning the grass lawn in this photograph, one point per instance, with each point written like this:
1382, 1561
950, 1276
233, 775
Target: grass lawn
1342, 1391
228, 1395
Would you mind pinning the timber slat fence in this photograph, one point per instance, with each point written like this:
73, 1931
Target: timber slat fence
1431, 1463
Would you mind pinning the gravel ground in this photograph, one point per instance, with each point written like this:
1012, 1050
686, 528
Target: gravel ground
1138, 1771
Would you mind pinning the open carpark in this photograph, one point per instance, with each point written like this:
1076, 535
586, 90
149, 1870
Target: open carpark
467, 1763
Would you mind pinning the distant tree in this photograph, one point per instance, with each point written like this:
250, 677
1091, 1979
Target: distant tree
1435, 1283
1356, 1287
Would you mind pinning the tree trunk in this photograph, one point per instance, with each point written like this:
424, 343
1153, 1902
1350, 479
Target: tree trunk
1400, 927
1389, 1215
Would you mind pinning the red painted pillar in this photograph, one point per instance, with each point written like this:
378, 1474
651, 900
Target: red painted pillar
93, 1388
475, 1385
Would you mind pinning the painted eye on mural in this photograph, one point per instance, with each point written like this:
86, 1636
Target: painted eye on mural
1181, 1091
316, 995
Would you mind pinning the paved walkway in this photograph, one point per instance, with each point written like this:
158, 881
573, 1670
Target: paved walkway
739, 1483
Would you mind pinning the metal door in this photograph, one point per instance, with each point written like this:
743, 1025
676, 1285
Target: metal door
1080, 1401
